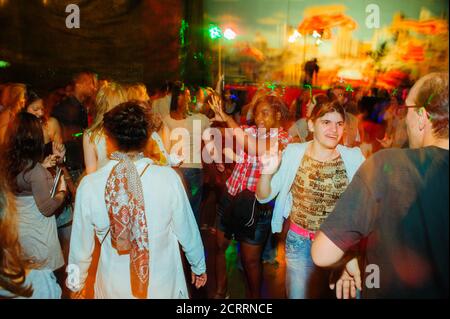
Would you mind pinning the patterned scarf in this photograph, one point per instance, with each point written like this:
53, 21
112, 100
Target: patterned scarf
129, 234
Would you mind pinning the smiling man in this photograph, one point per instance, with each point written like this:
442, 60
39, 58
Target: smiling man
398, 203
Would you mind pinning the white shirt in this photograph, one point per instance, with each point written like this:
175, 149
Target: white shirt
170, 221
162, 105
186, 136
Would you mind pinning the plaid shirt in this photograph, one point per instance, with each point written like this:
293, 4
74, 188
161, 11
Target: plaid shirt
247, 170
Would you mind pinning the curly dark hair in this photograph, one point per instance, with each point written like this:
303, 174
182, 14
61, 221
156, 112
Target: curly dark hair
129, 125
276, 103
24, 147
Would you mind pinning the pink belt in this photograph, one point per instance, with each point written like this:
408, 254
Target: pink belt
301, 231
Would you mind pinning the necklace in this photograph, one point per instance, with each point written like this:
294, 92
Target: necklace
333, 155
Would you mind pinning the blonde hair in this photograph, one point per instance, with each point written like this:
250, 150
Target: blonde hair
137, 92
108, 96
12, 94
12, 261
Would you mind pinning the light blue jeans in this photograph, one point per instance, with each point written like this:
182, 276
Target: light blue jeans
304, 280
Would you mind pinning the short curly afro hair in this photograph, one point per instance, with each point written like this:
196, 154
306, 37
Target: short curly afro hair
128, 124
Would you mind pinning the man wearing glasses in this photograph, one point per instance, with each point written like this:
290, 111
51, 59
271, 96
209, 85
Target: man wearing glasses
397, 204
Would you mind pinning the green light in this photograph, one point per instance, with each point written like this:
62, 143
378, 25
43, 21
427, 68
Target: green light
429, 100
387, 169
214, 32
183, 28
77, 134
349, 88
4, 64
271, 86
231, 255
194, 190
308, 86
394, 93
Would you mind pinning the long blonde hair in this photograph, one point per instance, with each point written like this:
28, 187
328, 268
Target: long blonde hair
12, 263
108, 96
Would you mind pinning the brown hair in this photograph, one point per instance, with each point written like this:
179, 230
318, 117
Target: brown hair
324, 106
24, 147
432, 94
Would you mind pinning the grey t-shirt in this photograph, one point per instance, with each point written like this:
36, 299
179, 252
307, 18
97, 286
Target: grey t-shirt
398, 203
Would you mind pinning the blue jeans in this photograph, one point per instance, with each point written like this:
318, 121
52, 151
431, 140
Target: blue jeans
304, 280
193, 177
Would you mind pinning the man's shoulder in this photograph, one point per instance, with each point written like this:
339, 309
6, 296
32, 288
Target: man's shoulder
389, 162
397, 155
383, 156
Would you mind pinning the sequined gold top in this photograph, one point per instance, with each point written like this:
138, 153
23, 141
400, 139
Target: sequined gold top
316, 188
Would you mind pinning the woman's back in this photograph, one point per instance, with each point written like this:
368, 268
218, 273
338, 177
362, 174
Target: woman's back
102, 156
37, 232
95, 153
169, 220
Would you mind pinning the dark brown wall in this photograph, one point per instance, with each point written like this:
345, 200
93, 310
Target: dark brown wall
127, 40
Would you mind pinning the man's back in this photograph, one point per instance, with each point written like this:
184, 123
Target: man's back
72, 117
398, 200
411, 225
71, 113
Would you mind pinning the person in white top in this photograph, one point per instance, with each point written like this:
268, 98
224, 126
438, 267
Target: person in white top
161, 102
140, 213
186, 134
17, 278
94, 142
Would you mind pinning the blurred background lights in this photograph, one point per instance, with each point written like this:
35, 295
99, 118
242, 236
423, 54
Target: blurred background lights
229, 34
294, 36
214, 32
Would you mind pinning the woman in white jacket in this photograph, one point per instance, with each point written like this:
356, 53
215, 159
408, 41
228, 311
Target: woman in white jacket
309, 181
140, 213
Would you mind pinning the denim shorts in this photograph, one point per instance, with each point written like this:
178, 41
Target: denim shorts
262, 229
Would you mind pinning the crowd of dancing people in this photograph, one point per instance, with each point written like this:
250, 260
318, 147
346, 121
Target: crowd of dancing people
120, 179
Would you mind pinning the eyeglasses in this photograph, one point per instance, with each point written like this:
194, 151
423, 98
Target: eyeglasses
401, 110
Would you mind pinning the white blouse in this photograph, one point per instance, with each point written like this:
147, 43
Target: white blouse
170, 222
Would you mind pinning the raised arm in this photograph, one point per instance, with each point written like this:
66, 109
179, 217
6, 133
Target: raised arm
243, 140
54, 130
270, 164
